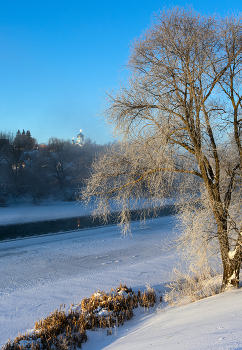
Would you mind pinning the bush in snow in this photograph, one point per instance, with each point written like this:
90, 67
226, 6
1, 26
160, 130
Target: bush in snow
67, 330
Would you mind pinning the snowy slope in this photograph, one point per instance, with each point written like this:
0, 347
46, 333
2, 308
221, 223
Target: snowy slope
38, 274
212, 323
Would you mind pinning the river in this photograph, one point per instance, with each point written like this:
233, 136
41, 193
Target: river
30, 229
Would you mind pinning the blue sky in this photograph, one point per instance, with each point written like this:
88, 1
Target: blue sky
57, 59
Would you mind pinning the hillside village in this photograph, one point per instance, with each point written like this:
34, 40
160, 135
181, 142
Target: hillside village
39, 171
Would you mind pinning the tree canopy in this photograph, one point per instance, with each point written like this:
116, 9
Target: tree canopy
179, 118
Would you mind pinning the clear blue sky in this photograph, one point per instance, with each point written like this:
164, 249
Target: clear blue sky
57, 59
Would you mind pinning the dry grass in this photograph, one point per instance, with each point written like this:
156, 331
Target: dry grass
67, 330
187, 288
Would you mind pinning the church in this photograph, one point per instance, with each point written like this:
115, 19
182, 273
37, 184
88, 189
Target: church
79, 139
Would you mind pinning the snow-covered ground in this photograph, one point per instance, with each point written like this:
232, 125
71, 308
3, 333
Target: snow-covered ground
208, 324
38, 274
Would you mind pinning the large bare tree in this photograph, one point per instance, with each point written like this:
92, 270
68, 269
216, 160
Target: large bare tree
179, 116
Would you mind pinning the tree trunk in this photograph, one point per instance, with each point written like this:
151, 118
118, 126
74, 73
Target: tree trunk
231, 270
231, 259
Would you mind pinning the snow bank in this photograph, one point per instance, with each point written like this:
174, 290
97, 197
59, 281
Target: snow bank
26, 212
17, 213
211, 323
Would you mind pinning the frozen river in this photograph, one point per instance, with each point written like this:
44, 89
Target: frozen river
38, 274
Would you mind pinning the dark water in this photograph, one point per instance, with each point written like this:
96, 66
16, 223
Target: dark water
70, 224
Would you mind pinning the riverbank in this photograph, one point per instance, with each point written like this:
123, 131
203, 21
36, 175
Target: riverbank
22, 221
25, 212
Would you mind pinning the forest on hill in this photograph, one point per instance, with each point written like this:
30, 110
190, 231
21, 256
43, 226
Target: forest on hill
55, 170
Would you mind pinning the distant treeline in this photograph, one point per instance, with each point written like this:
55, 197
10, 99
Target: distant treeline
54, 170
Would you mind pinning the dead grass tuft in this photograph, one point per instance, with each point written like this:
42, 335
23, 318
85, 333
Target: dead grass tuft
63, 330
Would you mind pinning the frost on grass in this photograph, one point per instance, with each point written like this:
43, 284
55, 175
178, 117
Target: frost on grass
200, 273
67, 329
187, 288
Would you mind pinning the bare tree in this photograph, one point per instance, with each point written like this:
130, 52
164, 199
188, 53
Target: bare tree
180, 119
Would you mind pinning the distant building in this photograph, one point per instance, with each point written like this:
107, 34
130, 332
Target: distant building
79, 139
42, 146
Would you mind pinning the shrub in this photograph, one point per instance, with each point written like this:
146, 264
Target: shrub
67, 330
